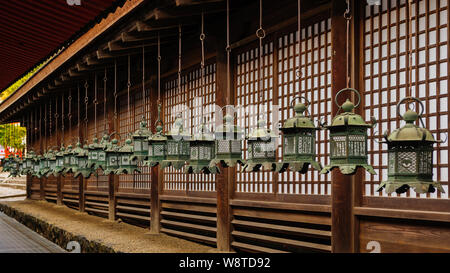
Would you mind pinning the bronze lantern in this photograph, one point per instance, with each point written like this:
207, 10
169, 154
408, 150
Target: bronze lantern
299, 141
127, 161
228, 144
410, 156
348, 139
112, 157
202, 152
157, 144
51, 158
140, 140
261, 148
81, 153
70, 164
59, 161
178, 150
97, 154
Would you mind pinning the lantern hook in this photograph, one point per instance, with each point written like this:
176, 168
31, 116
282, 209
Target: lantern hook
348, 89
116, 134
411, 99
443, 141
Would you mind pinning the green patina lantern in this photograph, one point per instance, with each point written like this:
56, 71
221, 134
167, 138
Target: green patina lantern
299, 141
70, 161
14, 166
140, 141
81, 153
348, 139
261, 149
59, 169
177, 152
51, 158
37, 166
157, 144
44, 165
410, 156
128, 162
202, 152
97, 154
112, 157
28, 161
5, 164
228, 144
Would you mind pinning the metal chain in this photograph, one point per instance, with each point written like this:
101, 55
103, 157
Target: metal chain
56, 121
409, 59
144, 104
159, 69
179, 61
86, 100
128, 93
348, 17
260, 33
45, 125
95, 104
50, 123
62, 117
228, 49
69, 116
105, 79
78, 112
115, 90
202, 64
299, 48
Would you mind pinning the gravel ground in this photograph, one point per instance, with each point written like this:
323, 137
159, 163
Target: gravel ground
121, 237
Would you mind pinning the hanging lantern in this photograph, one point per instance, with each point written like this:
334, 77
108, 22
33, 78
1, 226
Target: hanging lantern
177, 145
348, 139
37, 166
261, 148
59, 169
140, 140
202, 152
228, 144
28, 161
51, 158
70, 164
97, 154
157, 143
410, 156
14, 166
299, 141
128, 164
112, 157
44, 165
81, 154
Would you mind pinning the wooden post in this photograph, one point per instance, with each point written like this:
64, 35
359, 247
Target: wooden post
224, 179
156, 172
341, 185
28, 186
113, 180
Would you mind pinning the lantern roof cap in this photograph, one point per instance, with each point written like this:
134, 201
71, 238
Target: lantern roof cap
30, 154
261, 132
410, 131
143, 131
96, 145
203, 134
112, 146
228, 126
158, 136
178, 129
349, 119
61, 151
299, 120
79, 151
127, 147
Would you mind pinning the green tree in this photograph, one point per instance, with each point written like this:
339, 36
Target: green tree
12, 135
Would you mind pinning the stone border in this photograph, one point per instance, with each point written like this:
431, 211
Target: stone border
53, 233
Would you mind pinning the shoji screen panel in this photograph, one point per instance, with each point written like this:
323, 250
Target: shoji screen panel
385, 74
193, 95
281, 59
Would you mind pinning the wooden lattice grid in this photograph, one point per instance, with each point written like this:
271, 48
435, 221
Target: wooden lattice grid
385, 44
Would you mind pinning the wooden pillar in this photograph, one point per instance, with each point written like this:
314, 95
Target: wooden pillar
225, 178
341, 185
113, 180
156, 172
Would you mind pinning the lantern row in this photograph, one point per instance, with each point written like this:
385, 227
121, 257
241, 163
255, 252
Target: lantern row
410, 149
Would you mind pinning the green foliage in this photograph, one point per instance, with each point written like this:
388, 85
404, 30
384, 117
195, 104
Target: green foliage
12, 88
12, 136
